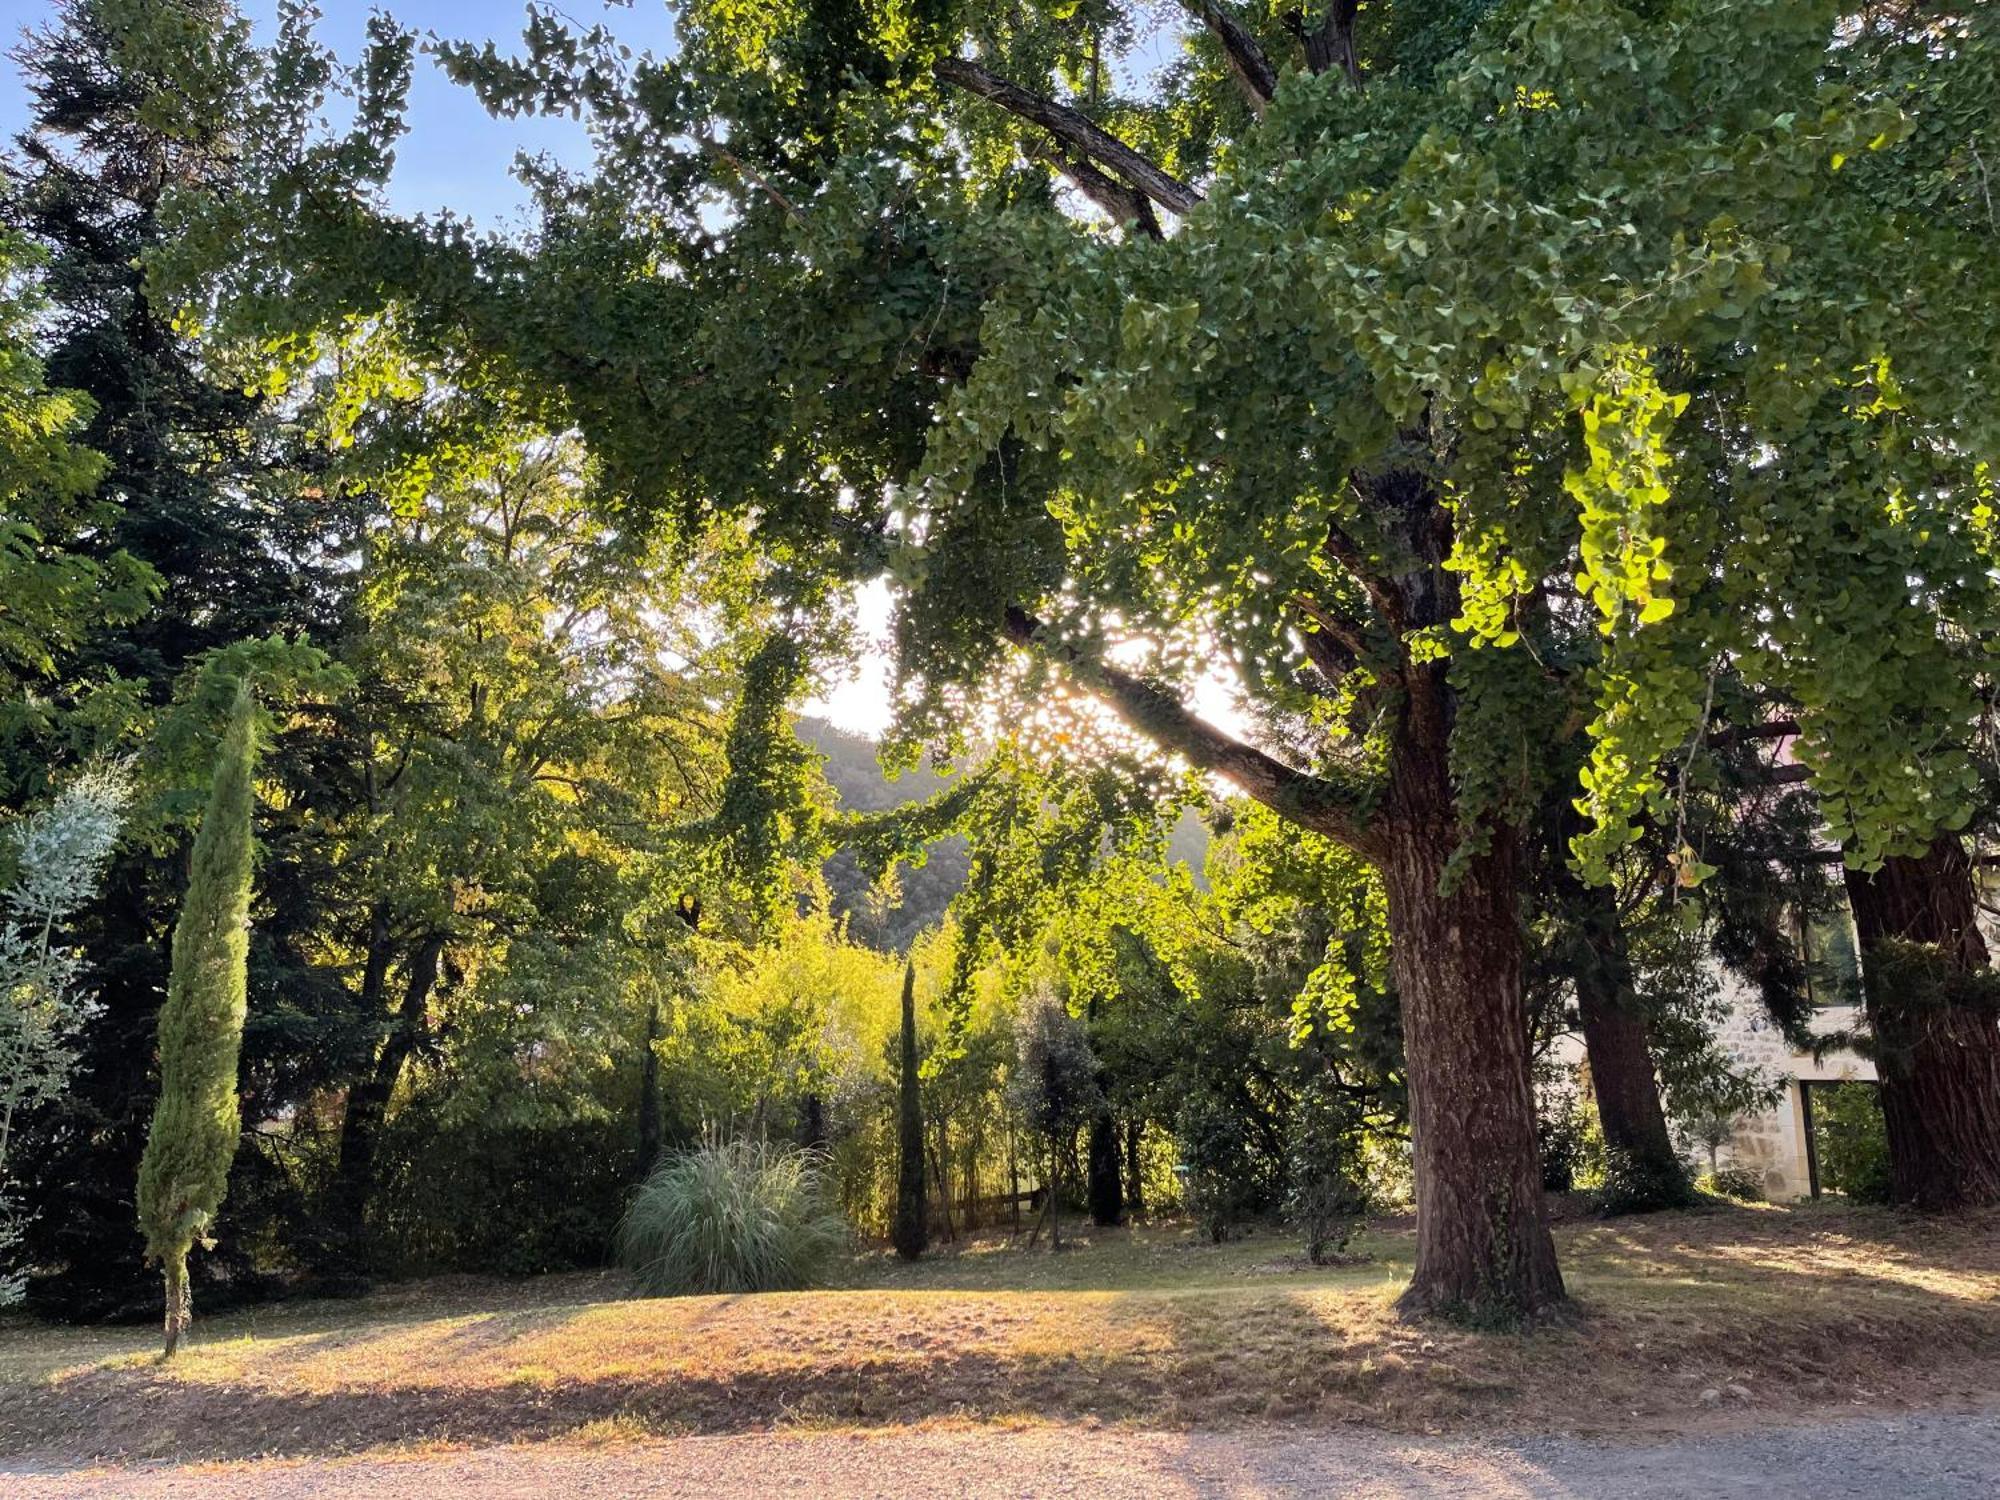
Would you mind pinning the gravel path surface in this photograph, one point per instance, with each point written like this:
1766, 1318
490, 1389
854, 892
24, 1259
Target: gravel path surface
1937, 1457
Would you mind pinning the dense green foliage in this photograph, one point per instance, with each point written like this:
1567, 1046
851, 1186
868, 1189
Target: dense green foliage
1415, 535
185, 1171
57, 854
1848, 1137
731, 1217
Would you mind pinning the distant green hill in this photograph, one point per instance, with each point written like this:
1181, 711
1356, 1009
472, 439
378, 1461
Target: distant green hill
855, 773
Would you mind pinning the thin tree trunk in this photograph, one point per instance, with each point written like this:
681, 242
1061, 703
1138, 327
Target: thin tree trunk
1938, 1061
1135, 1191
368, 1101
1107, 1203
943, 1194
1013, 1178
1055, 1196
650, 1122
911, 1228
180, 1302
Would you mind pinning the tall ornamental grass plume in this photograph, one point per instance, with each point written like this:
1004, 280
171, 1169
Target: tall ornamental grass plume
185, 1170
57, 854
732, 1216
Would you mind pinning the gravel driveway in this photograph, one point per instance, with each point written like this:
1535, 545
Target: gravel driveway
1937, 1457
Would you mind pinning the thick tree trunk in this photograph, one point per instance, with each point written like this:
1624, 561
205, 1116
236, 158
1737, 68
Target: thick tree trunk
1939, 1061
1107, 1204
1484, 1252
368, 1100
1648, 1173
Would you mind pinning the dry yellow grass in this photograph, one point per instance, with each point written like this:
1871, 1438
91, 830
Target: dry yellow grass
1681, 1319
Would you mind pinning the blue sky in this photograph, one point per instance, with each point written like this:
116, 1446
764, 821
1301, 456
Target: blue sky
455, 156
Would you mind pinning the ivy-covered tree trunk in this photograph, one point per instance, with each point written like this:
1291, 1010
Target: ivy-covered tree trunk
1484, 1252
1107, 1203
1647, 1172
911, 1231
1937, 1048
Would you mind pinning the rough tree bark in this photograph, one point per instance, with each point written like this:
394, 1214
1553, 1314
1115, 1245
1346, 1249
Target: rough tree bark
1939, 1062
1484, 1252
1622, 1075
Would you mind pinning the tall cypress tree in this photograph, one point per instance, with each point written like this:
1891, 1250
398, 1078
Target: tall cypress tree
912, 1227
185, 1170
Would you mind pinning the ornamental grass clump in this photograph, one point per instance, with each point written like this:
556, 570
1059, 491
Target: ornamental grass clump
732, 1216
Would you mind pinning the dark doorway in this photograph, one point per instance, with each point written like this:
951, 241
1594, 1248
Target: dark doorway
1847, 1145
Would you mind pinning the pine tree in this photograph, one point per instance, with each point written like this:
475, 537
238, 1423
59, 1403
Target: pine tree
185, 1170
912, 1227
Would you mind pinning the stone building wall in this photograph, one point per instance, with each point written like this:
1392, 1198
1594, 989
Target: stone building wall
1772, 1142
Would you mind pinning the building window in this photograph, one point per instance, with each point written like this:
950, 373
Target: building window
1832, 954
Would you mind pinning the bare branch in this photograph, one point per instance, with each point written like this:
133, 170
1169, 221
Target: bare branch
1348, 632
1252, 69
1382, 593
1121, 204
1340, 812
757, 178
1073, 129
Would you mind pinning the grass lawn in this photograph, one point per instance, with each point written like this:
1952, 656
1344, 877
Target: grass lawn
1709, 1317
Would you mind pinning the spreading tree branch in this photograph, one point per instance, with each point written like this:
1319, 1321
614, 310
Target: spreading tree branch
1073, 129
1343, 550
1328, 807
1251, 68
752, 175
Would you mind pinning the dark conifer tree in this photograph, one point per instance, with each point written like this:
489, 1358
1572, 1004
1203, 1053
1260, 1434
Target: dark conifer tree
912, 1227
198, 491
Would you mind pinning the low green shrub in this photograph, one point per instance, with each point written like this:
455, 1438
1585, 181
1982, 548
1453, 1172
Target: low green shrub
1632, 1185
1222, 1187
495, 1199
732, 1216
1739, 1183
1328, 1195
1852, 1141
1566, 1131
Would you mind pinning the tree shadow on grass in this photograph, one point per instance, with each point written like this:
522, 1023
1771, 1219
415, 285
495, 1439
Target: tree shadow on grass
1672, 1311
